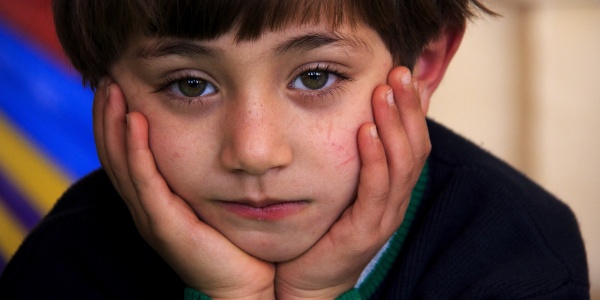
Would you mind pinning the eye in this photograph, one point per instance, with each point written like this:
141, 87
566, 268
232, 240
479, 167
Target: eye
192, 87
314, 80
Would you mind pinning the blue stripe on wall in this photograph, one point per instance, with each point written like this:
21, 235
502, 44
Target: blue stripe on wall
47, 103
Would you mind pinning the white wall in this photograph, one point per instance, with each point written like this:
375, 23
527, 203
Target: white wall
527, 87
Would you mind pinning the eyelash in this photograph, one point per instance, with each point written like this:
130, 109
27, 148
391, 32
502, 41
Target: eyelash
171, 79
322, 94
308, 95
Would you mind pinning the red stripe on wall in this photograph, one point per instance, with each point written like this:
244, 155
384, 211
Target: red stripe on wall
33, 18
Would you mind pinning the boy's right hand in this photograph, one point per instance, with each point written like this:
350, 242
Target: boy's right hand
200, 255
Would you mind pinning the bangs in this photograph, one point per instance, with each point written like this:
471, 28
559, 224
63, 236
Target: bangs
95, 33
210, 19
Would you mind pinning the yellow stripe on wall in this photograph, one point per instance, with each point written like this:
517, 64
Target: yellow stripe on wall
11, 233
29, 170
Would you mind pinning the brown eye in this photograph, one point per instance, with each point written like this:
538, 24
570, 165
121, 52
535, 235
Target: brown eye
314, 80
191, 87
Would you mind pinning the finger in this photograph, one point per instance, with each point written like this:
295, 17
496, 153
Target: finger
393, 136
396, 138
151, 188
156, 201
373, 187
100, 96
113, 139
411, 113
373, 193
104, 124
392, 181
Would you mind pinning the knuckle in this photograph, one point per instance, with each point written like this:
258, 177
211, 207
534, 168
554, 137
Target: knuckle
377, 194
421, 154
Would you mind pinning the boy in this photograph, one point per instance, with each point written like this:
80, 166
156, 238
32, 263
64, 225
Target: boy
277, 149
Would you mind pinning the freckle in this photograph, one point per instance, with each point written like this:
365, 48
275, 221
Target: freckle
337, 147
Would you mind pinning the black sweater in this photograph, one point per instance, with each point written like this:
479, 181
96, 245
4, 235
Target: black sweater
481, 231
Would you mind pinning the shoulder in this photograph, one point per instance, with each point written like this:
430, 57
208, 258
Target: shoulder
87, 247
92, 194
484, 230
469, 169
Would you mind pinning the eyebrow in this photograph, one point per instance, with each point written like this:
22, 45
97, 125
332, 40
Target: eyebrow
187, 48
311, 41
176, 47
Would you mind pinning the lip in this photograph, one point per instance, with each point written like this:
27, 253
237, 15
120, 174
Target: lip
265, 210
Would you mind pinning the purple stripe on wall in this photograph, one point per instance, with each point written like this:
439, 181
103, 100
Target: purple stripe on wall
2, 264
17, 204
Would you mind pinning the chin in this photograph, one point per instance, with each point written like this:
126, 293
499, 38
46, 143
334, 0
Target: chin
273, 249
275, 255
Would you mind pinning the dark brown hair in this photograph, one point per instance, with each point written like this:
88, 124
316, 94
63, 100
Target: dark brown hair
94, 33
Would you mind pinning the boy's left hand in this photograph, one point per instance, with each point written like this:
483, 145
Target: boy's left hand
392, 155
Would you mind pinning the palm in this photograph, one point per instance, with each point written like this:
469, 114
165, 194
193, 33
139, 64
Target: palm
205, 259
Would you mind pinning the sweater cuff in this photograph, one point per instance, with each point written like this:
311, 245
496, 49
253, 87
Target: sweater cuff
191, 294
352, 294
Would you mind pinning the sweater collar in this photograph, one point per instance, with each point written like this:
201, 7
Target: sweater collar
378, 268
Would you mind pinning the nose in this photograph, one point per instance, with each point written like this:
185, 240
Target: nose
255, 140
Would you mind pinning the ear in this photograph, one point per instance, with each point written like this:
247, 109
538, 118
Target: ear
433, 62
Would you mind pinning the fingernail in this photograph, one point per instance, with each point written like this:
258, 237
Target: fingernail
127, 119
101, 83
406, 78
389, 96
374, 134
107, 90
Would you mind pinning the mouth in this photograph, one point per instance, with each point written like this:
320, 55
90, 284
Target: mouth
268, 210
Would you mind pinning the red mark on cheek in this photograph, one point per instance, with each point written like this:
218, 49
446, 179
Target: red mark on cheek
341, 152
347, 161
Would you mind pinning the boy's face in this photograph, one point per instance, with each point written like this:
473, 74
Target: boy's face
259, 137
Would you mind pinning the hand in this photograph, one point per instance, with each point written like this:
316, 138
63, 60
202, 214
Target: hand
200, 255
393, 154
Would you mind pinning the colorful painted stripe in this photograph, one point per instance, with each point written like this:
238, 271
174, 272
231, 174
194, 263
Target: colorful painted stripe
48, 104
16, 204
45, 121
2, 264
40, 181
34, 19
12, 233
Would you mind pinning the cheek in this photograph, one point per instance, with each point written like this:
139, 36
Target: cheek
340, 140
343, 152
179, 158
169, 150
338, 146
